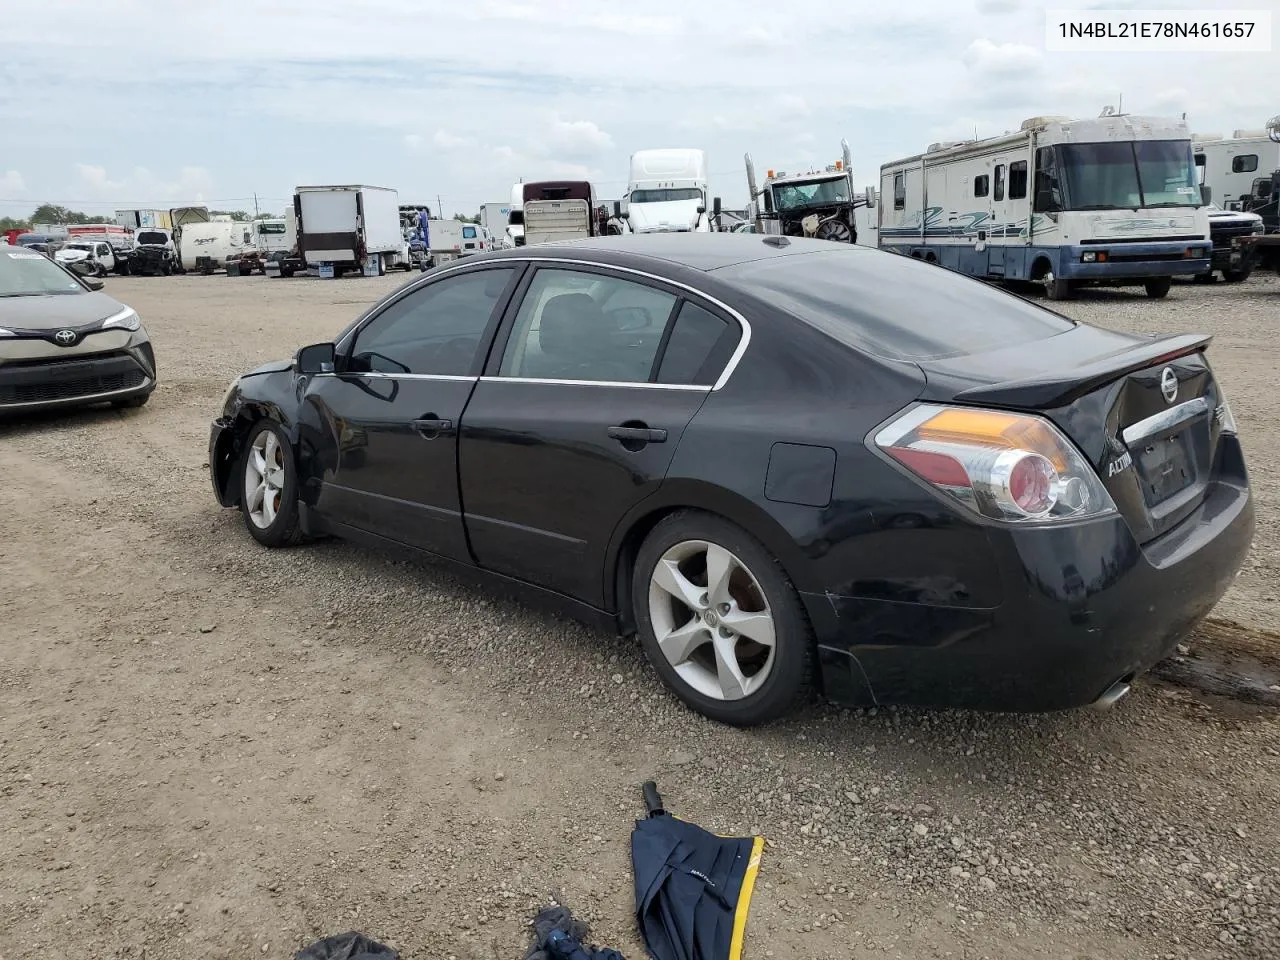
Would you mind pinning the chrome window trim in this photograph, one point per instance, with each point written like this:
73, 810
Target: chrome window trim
1135, 433
642, 384
743, 342
399, 376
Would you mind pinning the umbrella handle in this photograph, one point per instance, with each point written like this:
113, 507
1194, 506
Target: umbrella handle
652, 799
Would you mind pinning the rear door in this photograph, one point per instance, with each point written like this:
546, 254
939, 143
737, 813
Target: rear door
387, 421
590, 385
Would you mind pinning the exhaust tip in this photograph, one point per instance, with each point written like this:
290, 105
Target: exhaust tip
1113, 695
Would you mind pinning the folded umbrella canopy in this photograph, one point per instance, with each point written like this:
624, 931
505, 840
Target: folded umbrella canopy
692, 887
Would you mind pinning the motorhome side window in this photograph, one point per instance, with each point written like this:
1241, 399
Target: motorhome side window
899, 191
999, 191
1048, 192
1018, 180
1245, 163
982, 185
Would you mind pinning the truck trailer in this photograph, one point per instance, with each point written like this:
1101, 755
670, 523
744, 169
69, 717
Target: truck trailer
1065, 203
559, 210
349, 226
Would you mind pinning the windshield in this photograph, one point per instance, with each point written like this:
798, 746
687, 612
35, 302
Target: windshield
152, 236
78, 246
1129, 175
24, 273
666, 196
789, 196
265, 227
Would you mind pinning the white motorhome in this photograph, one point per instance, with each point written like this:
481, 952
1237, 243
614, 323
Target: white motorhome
1112, 200
346, 226
667, 192
1233, 167
216, 240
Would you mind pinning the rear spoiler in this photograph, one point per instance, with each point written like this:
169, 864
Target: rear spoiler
1060, 388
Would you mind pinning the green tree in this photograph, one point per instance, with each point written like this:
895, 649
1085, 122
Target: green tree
52, 213
13, 223
233, 214
465, 219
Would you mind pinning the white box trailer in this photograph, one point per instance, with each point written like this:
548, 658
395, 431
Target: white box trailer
343, 225
1112, 200
494, 217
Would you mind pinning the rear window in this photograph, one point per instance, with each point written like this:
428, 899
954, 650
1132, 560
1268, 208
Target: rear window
469, 233
893, 306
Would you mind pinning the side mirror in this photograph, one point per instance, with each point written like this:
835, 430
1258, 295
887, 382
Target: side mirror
702, 208
1206, 196
317, 358
617, 208
715, 207
1044, 200
93, 283
870, 196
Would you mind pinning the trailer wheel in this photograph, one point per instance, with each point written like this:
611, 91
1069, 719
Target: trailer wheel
1236, 276
1158, 288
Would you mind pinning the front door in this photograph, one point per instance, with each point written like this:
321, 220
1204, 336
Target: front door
387, 421
579, 419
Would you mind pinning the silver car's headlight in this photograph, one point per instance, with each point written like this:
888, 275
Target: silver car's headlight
226, 397
5, 333
126, 319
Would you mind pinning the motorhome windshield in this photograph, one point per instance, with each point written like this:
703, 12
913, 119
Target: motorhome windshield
1129, 175
791, 196
267, 226
666, 195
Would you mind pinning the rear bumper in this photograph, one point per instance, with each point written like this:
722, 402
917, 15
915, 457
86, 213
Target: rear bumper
41, 385
1134, 261
1085, 606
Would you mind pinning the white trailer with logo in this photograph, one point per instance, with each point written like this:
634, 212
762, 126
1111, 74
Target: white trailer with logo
494, 217
1233, 167
1066, 203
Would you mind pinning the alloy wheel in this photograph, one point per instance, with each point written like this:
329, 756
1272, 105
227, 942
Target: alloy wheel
264, 475
711, 620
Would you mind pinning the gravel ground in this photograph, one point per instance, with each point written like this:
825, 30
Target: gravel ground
208, 749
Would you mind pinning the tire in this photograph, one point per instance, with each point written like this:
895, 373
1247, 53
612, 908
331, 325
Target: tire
1055, 289
1158, 288
775, 679
1236, 276
277, 527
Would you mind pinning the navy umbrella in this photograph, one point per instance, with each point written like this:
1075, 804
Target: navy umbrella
692, 886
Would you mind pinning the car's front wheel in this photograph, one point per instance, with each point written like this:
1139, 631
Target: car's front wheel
720, 621
269, 487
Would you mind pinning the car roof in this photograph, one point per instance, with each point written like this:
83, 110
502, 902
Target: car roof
704, 252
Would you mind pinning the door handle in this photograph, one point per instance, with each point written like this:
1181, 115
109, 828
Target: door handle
638, 434
431, 427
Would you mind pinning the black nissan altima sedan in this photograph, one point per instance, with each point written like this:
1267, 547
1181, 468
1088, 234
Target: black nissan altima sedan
783, 463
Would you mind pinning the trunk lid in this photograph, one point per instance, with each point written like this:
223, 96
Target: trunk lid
1146, 413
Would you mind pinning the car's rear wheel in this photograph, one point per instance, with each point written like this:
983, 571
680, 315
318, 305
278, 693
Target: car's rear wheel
720, 621
269, 487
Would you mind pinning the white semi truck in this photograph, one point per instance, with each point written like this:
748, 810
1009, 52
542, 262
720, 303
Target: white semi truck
667, 192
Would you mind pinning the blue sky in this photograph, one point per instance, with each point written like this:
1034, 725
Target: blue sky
134, 102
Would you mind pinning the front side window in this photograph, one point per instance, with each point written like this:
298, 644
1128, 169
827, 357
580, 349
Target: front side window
437, 329
899, 191
574, 325
999, 190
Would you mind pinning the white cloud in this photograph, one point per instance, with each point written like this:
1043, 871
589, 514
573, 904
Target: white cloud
987, 59
413, 141
451, 141
143, 186
577, 137
11, 182
997, 6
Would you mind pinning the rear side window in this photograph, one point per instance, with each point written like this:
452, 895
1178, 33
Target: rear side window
1245, 163
1018, 180
699, 347
895, 307
982, 185
899, 191
469, 233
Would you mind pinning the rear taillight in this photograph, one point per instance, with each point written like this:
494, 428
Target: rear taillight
1006, 466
